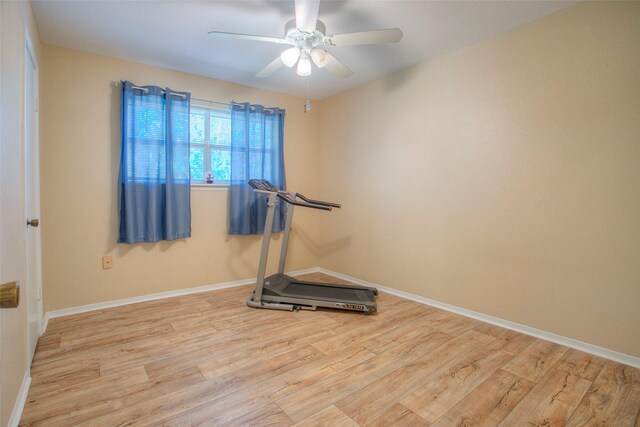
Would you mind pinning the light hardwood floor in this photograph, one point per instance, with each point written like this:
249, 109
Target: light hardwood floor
208, 359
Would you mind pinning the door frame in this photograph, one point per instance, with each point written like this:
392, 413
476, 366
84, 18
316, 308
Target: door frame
30, 58
2, 374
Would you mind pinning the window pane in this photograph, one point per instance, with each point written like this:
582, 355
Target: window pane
196, 160
197, 126
220, 130
221, 165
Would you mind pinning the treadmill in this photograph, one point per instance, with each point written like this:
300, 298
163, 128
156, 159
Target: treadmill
282, 292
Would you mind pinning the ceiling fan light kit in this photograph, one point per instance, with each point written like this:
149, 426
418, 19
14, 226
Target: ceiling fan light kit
308, 36
319, 57
304, 65
290, 56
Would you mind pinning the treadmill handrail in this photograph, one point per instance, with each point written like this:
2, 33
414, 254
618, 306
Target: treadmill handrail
318, 202
303, 204
265, 187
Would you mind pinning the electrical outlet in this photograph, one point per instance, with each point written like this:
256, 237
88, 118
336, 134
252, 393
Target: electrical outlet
107, 262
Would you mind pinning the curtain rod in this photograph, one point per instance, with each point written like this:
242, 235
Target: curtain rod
210, 101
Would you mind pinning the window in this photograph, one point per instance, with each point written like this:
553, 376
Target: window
210, 135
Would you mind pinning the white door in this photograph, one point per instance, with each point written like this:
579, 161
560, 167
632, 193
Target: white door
33, 291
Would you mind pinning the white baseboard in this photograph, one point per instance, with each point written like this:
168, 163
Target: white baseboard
548, 336
151, 297
21, 400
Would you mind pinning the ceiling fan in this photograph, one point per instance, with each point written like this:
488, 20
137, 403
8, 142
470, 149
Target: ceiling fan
308, 37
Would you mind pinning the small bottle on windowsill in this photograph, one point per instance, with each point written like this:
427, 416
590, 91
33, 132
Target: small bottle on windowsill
209, 178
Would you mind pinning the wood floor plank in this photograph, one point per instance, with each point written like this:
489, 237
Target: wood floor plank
248, 349
209, 318
403, 332
442, 391
263, 352
268, 415
208, 359
368, 402
117, 316
337, 387
491, 330
194, 302
246, 320
54, 379
51, 359
451, 323
121, 324
194, 350
506, 340
269, 368
356, 336
580, 364
612, 400
100, 407
489, 403
62, 401
216, 413
48, 342
202, 404
115, 336
213, 398
138, 354
319, 371
536, 360
551, 401
397, 415
330, 416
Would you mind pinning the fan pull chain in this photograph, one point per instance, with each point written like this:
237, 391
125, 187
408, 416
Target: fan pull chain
307, 104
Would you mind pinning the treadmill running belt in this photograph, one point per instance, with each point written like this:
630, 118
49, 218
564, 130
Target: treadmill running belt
327, 292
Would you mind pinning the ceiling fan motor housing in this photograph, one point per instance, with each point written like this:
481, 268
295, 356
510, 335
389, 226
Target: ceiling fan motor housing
305, 40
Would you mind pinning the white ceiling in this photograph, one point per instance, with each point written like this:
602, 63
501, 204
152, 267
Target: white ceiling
173, 34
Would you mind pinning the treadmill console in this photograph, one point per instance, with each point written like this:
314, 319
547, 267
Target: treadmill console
262, 184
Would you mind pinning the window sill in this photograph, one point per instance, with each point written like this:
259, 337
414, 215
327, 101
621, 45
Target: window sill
217, 187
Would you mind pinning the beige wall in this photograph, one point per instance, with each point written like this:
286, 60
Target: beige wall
80, 148
503, 177
15, 18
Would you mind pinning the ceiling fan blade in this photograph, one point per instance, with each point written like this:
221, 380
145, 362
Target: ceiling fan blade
221, 35
391, 35
271, 68
336, 67
307, 14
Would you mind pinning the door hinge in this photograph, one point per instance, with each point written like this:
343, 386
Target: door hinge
39, 293
37, 105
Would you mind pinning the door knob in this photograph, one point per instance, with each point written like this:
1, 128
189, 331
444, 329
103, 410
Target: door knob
33, 222
10, 295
